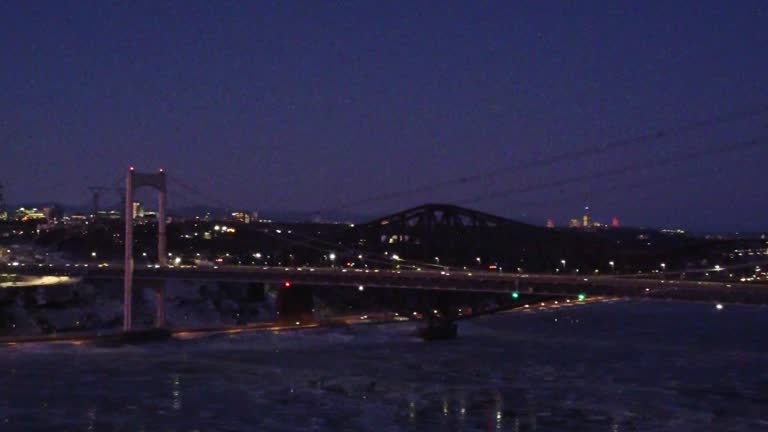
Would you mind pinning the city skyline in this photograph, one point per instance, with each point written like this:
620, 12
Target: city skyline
40, 211
364, 215
310, 108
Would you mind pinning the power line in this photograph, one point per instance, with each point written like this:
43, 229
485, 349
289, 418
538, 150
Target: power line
329, 246
563, 157
618, 171
613, 172
627, 186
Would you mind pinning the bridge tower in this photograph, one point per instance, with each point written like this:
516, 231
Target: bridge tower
133, 181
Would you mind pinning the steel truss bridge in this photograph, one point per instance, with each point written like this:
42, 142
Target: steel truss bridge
420, 220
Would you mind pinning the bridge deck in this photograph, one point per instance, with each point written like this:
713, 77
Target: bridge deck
465, 281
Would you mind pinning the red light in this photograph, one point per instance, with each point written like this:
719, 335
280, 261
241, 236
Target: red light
161, 170
287, 284
130, 168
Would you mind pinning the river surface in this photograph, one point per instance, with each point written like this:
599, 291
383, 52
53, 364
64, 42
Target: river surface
621, 366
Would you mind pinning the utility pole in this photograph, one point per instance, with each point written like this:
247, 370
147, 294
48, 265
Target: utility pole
98, 192
96, 196
2, 200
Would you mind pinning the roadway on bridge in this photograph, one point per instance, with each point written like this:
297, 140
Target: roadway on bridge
456, 281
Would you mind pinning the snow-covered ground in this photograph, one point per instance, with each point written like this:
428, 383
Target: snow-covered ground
97, 305
626, 366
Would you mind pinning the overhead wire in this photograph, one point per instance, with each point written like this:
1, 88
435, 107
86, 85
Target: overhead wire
613, 172
329, 246
581, 153
577, 154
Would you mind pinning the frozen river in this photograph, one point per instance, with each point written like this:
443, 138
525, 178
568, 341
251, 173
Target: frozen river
624, 366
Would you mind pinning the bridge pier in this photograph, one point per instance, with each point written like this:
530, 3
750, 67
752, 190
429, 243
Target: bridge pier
295, 303
438, 328
438, 313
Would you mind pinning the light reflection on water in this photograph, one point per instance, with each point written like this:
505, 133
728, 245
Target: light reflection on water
91, 418
176, 392
608, 368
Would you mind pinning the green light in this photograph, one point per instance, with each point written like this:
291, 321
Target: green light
582, 297
515, 294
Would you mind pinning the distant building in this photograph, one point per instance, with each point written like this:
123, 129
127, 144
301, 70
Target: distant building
138, 210
103, 214
52, 213
245, 216
586, 222
78, 218
550, 223
24, 214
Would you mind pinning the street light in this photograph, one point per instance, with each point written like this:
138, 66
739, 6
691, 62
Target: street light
563, 263
612, 264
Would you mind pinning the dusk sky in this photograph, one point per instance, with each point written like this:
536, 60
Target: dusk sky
320, 105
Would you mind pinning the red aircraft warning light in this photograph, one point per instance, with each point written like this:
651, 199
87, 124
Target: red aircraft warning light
287, 284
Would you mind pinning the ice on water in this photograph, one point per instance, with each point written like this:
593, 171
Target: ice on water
627, 366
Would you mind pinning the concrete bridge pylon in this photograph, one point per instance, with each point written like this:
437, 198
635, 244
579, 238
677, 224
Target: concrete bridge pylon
133, 181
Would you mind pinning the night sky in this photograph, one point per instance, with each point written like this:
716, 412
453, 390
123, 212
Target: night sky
321, 105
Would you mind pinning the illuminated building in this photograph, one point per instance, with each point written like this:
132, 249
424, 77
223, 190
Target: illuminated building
78, 217
550, 223
102, 214
586, 222
138, 210
23, 214
245, 216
